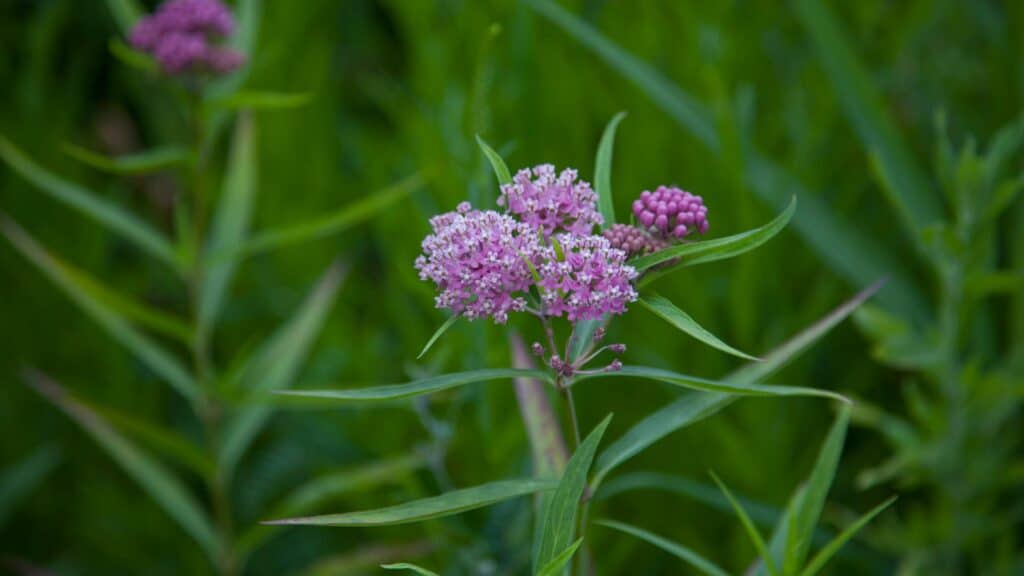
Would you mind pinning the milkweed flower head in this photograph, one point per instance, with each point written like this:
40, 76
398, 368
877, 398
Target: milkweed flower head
584, 278
550, 201
671, 213
632, 240
183, 36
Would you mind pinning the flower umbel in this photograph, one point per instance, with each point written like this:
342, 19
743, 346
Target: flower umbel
182, 34
590, 278
671, 212
551, 202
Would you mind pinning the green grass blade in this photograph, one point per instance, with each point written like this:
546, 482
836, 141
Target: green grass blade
558, 529
700, 252
497, 164
752, 532
19, 479
161, 362
447, 504
336, 222
560, 561
437, 334
110, 215
276, 365
412, 389
696, 406
252, 100
411, 567
726, 385
125, 12
864, 108
668, 311
603, 170
703, 565
229, 227
162, 486
129, 164
830, 550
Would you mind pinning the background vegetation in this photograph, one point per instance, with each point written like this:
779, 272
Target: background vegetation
744, 103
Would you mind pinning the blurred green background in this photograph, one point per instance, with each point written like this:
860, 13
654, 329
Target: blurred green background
830, 95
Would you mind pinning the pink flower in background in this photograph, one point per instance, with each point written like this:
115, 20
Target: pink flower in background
551, 202
182, 36
671, 212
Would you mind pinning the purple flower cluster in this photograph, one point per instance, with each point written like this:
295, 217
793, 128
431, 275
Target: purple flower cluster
588, 279
181, 36
632, 240
671, 212
478, 260
551, 202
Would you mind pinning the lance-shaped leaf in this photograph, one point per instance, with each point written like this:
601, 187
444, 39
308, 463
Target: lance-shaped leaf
430, 385
692, 253
162, 363
410, 567
230, 225
336, 222
19, 479
497, 164
110, 215
162, 486
277, 363
752, 532
703, 565
830, 549
437, 334
725, 386
137, 163
560, 561
603, 170
668, 311
558, 528
447, 504
256, 100
696, 406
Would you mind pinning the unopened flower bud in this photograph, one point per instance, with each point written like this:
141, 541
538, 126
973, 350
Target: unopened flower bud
615, 366
537, 349
617, 348
599, 334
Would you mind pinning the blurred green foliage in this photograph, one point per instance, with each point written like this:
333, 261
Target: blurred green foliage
743, 103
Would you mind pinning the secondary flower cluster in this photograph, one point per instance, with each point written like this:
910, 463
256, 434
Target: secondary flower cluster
485, 263
182, 34
671, 212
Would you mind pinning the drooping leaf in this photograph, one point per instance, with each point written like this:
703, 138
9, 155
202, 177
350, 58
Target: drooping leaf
560, 561
336, 222
752, 532
694, 407
603, 170
558, 527
110, 215
437, 334
161, 362
162, 486
497, 164
229, 227
252, 100
702, 564
668, 311
19, 479
726, 385
277, 363
830, 550
429, 385
410, 567
447, 504
137, 163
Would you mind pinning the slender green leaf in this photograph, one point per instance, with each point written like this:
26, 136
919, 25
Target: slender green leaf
19, 479
411, 567
138, 163
681, 320
337, 221
748, 525
560, 561
125, 13
261, 100
603, 170
162, 363
416, 388
110, 215
500, 169
162, 486
700, 252
558, 529
826, 553
276, 365
694, 407
702, 564
726, 386
447, 504
132, 57
230, 225
437, 334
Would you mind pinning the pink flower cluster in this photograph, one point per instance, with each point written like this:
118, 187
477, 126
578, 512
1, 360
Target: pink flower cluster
181, 36
587, 280
671, 212
632, 240
552, 202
